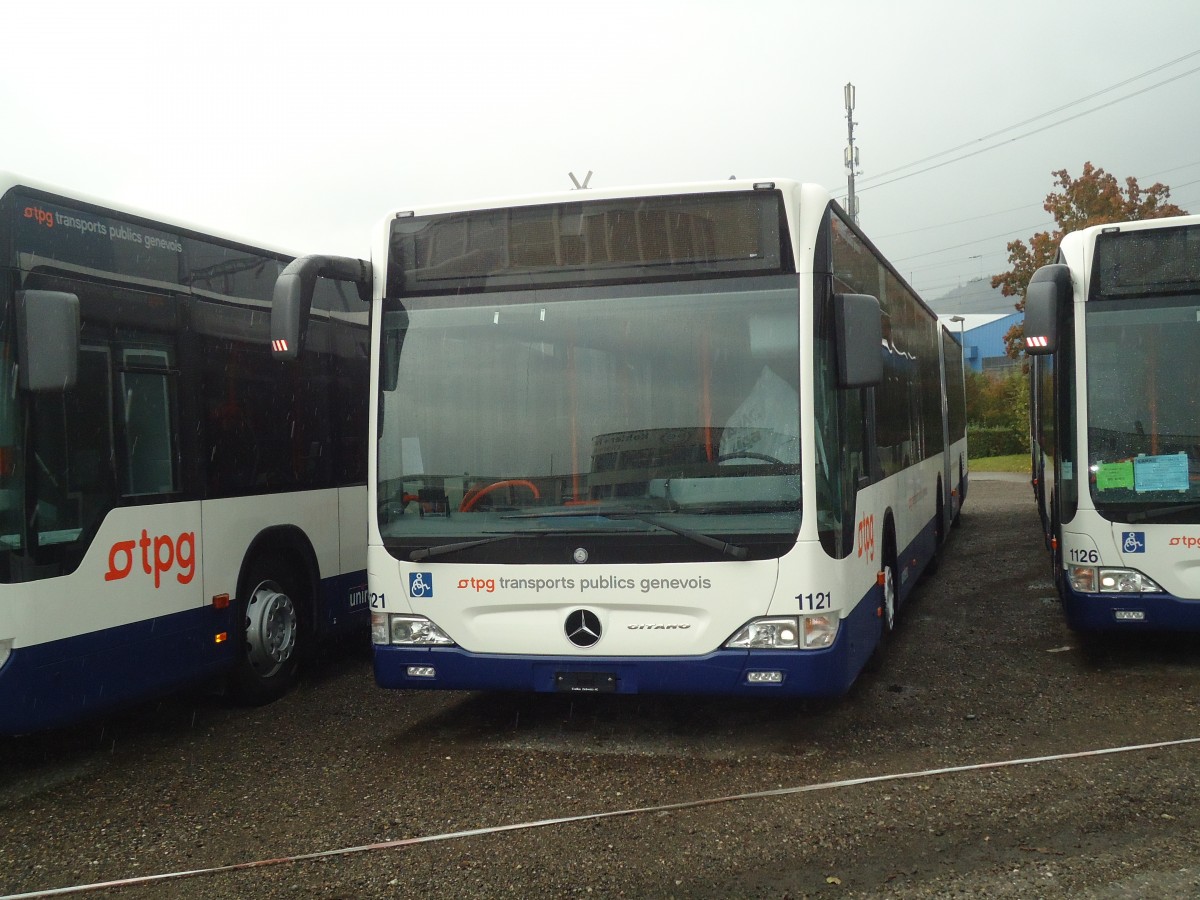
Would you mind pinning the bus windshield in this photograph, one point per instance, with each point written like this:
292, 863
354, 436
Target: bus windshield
1143, 386
643, 404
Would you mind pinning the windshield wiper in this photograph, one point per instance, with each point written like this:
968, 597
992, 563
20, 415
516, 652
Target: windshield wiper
727, 549
1145, 515
440, 549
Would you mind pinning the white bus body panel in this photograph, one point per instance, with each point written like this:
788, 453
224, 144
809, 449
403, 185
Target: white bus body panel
112, 586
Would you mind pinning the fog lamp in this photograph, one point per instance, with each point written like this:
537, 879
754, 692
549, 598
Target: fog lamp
764, 677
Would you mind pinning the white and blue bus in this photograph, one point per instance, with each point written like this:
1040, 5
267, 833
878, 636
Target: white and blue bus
1112, 328
684, 439
175, 504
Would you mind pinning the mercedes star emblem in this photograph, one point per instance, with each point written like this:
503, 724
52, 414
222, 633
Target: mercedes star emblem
583, 628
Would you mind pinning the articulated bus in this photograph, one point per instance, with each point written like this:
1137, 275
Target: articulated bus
684, 439
954, 395
175, 504
1112, 329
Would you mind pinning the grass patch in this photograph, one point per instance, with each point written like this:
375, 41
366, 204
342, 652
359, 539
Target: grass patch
1017, 462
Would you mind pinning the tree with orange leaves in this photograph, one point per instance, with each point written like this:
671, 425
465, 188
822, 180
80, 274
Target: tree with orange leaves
1094, 198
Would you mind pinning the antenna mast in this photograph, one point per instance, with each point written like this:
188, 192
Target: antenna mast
851, 155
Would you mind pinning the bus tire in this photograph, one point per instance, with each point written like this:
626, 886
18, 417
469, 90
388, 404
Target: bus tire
962, 491
1054, 545
939, 536
887, 603
273, 634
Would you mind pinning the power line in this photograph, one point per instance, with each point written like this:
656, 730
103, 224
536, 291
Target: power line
1002, 212
1031, 133
955, 222
1039, 116
960, 261
1174, 169
993, 237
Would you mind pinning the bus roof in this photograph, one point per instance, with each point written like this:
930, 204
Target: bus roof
10, 181
1089, 234
792, 189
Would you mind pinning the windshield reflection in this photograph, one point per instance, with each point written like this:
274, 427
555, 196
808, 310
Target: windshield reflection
1144, 407
602, 409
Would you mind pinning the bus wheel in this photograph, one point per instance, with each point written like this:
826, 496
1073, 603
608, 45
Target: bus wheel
939, 537
887, 608
272, 636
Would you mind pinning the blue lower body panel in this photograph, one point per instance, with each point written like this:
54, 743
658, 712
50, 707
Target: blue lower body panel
344, 608
1120, 612
806, 673
61, 682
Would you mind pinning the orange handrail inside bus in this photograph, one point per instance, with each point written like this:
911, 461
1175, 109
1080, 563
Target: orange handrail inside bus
472, 496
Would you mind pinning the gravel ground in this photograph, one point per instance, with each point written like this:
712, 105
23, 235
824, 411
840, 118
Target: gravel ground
982, 670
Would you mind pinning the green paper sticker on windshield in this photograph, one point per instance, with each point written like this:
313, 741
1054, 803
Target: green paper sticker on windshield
1115, 476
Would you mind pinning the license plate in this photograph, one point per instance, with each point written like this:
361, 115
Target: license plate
586, 682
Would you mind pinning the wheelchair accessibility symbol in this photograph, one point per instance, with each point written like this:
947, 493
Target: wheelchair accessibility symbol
420, 584
1133, 542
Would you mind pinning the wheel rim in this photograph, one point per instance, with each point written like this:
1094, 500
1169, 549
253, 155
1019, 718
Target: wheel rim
271, 627
889, 599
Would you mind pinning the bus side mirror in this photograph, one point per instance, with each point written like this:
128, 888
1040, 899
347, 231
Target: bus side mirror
859, 326
47, 340
389, 366
292, 299
1049, 289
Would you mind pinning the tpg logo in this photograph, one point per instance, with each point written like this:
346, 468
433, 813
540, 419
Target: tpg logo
865, 539
39, 215
167, 552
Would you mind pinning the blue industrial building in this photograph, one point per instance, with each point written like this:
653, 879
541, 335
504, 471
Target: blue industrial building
983, 341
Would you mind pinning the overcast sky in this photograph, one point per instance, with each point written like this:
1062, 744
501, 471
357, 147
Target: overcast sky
300, 124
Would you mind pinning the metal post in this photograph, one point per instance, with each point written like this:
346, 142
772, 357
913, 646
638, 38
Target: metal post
851, 155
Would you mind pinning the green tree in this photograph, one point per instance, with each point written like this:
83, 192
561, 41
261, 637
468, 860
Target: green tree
997, 413
1094, 198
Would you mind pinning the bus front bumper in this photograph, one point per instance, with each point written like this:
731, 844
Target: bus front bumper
1130, 612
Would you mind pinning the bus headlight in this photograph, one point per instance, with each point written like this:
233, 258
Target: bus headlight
414, 631
379, 628
785, 633
782, 633
1094, 580
1127, 581
819, 631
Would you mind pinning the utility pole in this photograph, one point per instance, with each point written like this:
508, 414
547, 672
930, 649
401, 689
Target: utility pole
851, 155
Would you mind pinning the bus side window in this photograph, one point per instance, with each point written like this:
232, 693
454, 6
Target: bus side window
91, 477
72, 460
147, 396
